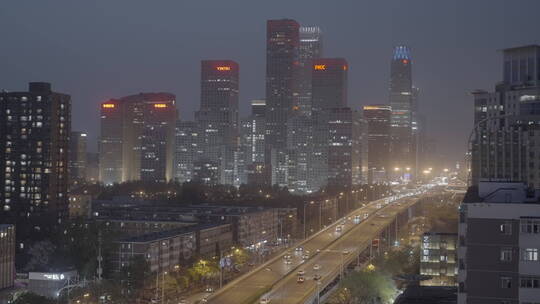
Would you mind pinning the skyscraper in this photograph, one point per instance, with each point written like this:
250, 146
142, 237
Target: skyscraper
218, 115
187, 150
34, 145
329, 90
506, 122
347, 148
299, 127
282, 41
77, 157
401, 101
378, 120
137, 138
311, 47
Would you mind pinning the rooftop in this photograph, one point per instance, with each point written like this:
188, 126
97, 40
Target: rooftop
156, 236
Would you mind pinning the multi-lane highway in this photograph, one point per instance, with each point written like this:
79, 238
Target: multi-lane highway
328, 249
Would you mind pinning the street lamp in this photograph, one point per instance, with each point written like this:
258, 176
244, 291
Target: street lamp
305, 205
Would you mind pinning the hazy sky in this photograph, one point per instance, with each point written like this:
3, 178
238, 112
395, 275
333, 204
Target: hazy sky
100, 49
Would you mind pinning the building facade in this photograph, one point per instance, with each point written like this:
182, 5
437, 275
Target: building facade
499, 239
504, 139
438, 259
34, 146
378, 119
401, 101
7, 256
329, 90
186, 151
137, 138
77, 157
282, 42
218, 115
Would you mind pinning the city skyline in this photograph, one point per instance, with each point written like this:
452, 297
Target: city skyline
442, 93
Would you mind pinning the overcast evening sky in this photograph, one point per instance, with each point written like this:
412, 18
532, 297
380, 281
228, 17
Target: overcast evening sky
100, 49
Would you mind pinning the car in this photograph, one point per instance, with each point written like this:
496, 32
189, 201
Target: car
346, 251
300, 272
288, 262
305, 256
366, 215
316, 277
316, 267
209, 289
300, 279
318, 250
299, 249
264, 300
287, 257
339, 228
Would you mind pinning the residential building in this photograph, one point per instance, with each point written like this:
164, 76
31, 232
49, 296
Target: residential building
166, 250
438, 259
378, 120
7, 256
499, 239
505, 139
34, 146
282, 42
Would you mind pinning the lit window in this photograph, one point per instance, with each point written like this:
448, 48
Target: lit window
530, 254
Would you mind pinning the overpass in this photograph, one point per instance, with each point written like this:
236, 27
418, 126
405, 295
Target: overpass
332, 251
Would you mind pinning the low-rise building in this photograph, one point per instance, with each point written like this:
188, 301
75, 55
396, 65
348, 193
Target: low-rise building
438, 259
164, 250
49, 284
7, 255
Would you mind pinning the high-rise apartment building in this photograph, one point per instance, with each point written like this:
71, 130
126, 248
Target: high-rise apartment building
401, 101
499, 240
218, 115
329, 90
137, 138
505, 139
282, 42
77, 157
378, 120
34, 146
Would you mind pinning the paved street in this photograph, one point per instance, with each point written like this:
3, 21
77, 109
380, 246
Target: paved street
331, 244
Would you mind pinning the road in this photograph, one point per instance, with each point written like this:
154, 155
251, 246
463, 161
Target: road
281, 277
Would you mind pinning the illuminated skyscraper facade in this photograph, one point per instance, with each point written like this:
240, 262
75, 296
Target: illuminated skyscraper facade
282, 42
137, 138
329, 90
401, 101
34, 145
378, 120
77, 157
218, 115
311, 47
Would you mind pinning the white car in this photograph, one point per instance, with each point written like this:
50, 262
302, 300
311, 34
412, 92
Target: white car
305, 256
299, 249
316, 267
265, 301
300, 273
339, 228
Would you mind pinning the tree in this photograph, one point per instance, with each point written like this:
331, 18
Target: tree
369, 287
32, 298
39, 255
